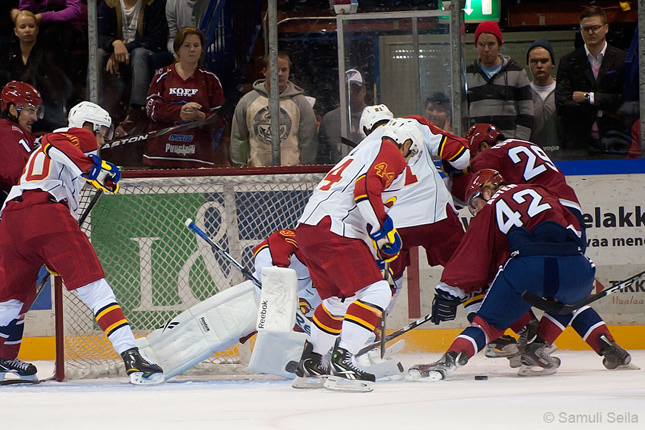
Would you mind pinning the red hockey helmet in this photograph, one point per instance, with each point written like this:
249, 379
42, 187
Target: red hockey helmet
22, 95
485, 178
482, 133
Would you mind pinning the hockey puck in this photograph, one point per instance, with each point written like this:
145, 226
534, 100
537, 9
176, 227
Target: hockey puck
481, 377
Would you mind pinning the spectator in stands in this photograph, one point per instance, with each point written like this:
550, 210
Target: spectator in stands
546, 125
251, 129
49, 11
29, 61
183, 92
184, 13
498, 87
589, 91
331, 149
130, 32
63, 30
439, 110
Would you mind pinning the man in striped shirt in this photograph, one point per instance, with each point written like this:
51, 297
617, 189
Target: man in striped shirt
498, 88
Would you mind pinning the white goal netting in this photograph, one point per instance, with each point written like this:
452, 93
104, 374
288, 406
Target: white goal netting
158, 267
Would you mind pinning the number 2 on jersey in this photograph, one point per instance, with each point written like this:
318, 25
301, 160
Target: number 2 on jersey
335, 175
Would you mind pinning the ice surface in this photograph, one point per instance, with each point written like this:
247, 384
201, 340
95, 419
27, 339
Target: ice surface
582, 395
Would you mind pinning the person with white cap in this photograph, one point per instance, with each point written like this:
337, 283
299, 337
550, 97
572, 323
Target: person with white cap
330, 148
498, 87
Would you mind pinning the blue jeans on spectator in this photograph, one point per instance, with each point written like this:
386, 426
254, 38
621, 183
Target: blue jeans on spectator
141, 72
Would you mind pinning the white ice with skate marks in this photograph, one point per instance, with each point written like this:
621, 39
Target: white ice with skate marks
582, 395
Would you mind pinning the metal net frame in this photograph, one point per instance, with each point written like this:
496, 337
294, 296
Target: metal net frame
158, 267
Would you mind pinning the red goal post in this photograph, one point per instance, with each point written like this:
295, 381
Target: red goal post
157, 267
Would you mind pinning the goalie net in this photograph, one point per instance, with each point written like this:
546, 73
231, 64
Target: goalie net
158, 268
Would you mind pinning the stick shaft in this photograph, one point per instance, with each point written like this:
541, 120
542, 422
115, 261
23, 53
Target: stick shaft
156, 133
559, 308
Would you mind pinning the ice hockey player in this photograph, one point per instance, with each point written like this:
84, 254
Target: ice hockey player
373, 117
21, 106
424, 214
281, 250
39, 227
520, 162
537, 243
345, 212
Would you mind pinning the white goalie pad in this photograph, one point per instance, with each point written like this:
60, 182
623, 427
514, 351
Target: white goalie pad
197, 333
278, 299
272, 351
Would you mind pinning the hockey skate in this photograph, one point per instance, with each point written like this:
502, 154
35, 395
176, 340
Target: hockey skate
537, 360
141, 371
310, 372
345, 375
613, 355
22, 372
504, 347
438, 370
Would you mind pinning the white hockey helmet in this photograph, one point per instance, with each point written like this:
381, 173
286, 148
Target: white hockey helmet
371, 116
402, 129
94, 114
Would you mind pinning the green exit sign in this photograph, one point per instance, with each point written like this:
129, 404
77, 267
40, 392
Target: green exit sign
479, 10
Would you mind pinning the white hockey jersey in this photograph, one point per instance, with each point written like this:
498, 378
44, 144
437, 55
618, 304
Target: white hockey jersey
424, 197
56, 167
358, 179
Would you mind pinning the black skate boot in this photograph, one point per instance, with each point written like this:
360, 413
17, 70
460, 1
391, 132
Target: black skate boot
504, 347
310, 372
345, 375
25, 372
140, 370
613, 355
537, 359
438, 370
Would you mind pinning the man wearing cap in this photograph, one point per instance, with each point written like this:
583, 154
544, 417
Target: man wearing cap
497, 86
330, 149
546, 125
590, 91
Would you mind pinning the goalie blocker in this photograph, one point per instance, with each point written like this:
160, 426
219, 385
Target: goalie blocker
220, 321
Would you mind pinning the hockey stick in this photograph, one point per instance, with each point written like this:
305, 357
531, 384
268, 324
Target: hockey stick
301, 320
348, 142
399, 332
156, 133
81, 220
558, 308
388, 277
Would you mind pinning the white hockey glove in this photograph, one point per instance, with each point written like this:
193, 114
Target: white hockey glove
103, 175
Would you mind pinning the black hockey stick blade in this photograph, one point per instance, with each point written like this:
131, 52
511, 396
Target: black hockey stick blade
399, 332
156, 133
558, 308
348, 142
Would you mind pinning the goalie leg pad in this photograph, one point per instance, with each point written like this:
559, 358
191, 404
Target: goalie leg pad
197, 333
273, 350
278, 300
